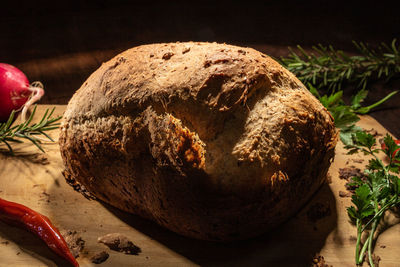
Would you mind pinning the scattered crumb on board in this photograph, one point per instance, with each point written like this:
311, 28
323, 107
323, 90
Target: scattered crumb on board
99, 257
40, 159
373, 132
319, 261
353, 238
349, 172
120, 243
375, 259
74, 241
345, 194
44, 196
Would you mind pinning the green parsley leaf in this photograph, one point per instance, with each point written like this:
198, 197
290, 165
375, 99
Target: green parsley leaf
364, 139
358, 98
374, 164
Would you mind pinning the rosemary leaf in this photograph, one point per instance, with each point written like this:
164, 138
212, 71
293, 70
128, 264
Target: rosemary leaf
28, 131
327, 68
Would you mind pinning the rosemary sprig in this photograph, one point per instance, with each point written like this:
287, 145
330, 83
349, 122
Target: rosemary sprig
329, 69
28, 131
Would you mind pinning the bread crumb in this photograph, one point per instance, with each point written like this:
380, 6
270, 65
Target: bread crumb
345, 194
319, 261
120, 243
40, 159
44, 196
74, 241
375, 259
348, 172
373, 132
99, 257
352, 238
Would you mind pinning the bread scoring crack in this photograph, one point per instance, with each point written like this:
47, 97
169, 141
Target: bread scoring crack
188, 147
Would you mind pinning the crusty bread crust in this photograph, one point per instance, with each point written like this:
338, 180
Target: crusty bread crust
212, 141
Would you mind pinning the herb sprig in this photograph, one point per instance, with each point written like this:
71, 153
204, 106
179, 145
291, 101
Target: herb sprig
329, 69
377, 194
346, 116
28, 131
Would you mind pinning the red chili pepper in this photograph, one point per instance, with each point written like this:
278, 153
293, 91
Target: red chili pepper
38, 224
394, 153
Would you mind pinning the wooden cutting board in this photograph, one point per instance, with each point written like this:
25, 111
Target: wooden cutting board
34, 179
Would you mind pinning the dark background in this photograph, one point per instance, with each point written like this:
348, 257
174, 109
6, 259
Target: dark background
60, 44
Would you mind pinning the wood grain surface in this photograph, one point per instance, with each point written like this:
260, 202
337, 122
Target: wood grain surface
34, 179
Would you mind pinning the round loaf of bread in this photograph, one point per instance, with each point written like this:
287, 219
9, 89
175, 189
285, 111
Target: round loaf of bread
211, 141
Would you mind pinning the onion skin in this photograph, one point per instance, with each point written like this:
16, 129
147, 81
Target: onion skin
14, 90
